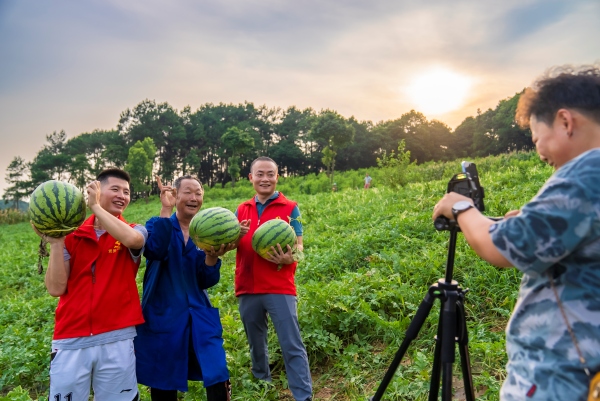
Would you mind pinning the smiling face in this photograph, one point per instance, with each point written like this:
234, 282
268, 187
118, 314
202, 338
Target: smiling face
189, 198
264, 178
552, 142
114, 195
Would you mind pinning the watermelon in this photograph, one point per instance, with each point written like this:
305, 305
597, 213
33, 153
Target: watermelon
270, 234
56, 208
214, 226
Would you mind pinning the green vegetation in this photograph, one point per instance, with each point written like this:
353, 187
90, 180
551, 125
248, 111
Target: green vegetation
12, 216
370, 256
217, 143
139, 164
396, 167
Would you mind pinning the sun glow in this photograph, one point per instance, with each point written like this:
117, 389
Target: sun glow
438, 91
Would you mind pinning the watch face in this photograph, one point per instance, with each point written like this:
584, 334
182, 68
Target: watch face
461, 206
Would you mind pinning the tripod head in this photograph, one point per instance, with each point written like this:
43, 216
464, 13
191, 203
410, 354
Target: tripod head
467, 184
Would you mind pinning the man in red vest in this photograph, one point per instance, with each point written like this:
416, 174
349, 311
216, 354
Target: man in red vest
93, 272
266, 286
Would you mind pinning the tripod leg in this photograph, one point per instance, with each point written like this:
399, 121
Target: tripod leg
434, 382
463, 348
443, 358
411, 334
448, 342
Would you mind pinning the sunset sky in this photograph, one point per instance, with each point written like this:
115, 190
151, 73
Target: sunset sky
76, 65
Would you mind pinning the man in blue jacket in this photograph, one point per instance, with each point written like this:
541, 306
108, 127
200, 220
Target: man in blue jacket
181, 339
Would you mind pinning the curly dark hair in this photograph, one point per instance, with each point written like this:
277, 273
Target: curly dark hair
568, 87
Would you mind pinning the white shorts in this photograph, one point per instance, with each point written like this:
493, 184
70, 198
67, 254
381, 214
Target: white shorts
109, 368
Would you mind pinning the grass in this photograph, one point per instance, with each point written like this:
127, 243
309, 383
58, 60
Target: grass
370, 257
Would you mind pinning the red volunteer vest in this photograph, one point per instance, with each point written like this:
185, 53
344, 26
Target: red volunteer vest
104, 300
253, 274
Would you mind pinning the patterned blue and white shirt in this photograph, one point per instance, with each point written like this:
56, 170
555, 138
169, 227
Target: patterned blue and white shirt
557, 234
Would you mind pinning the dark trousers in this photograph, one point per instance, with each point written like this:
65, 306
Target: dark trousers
216, 392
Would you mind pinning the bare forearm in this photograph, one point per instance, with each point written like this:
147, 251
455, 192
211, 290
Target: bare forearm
120, 230
211, 260
299, 244
166, 211
58, 271
475, 228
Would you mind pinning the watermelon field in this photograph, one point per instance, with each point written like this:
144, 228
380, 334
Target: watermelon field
370, 257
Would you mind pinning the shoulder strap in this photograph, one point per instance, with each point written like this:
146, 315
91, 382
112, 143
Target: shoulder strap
571, 332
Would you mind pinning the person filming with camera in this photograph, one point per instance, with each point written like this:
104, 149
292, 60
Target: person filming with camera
553, 335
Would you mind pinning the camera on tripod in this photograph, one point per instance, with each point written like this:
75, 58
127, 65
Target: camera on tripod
452, 325
467, 184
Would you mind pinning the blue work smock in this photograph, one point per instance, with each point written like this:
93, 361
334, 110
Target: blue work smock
182, 338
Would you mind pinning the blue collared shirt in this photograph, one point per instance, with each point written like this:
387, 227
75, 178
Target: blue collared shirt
294, 218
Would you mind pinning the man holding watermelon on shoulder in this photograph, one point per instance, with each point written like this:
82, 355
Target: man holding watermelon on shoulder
93, 272
266, 285
181, 339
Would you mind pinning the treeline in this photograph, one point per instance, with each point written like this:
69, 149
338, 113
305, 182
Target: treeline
218, 142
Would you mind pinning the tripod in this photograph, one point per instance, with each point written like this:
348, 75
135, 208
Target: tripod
452, 328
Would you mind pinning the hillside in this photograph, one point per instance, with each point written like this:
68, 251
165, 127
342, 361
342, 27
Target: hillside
7, 205
371, 256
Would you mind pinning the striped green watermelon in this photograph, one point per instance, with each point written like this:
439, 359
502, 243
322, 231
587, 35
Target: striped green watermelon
270, 234
56, 208
213, 227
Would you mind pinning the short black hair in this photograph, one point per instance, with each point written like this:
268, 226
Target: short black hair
113, 172
568, 87
177, 182
263, 159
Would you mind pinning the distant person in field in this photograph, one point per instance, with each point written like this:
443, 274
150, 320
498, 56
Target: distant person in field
93, 272
368, 180
266, 287
182, 338
553, 336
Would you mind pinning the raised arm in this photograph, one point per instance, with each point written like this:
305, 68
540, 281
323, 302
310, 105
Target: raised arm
58, 270
167, 198
120, 230
159, 238
57, 273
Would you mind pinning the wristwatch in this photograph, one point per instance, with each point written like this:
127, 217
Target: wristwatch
459, 207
